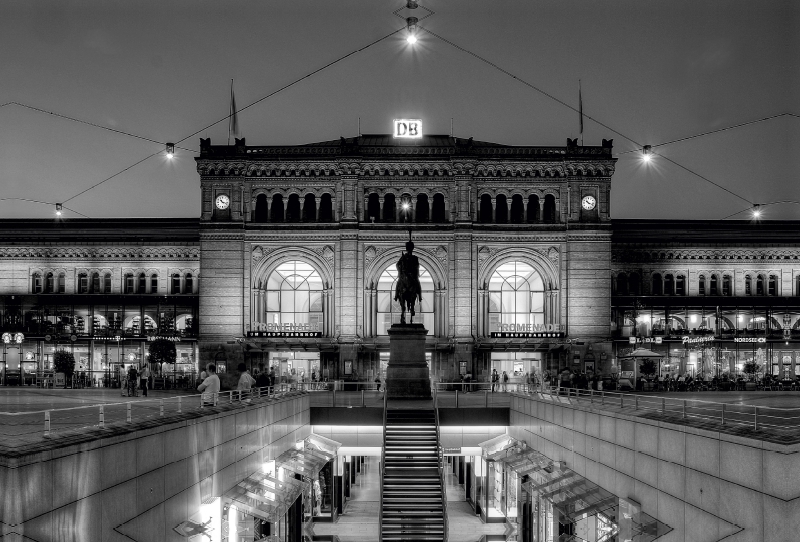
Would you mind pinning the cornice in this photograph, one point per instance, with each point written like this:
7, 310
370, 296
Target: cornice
727, 255
114, 253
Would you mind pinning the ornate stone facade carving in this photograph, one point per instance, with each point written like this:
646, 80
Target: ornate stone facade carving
119, 253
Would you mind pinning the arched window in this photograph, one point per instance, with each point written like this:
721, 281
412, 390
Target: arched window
127, 285
389, 309
438, 215
634, 284
107, 283
486, 212
276, 212
49, 283
726, 285
701, 285
748, 285
622, 284
293, 208
760, 285
680, 285
714, 285
142, 287
533, 209
175, 286
294, 296
154, 283
389, 208
516, 298
422, 209
62, 283
373, 208
95, 287
658, 284
36, 283
326, 208
669, 285
773, 285
188, 284
517, 209
261, 213
83, 283
501, 209
310, 208
550, 213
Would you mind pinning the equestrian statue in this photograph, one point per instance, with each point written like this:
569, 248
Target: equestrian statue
408, 288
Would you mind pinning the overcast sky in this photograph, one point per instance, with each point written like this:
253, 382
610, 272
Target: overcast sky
654, 71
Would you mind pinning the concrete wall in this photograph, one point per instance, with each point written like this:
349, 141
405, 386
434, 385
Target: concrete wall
706, 485
138, 485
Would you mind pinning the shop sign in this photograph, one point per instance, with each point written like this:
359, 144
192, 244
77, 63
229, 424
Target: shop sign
173, 338
408, 128
528, 330
749, 339
256, 334
456, 450
639, 340
288, 329
697, 340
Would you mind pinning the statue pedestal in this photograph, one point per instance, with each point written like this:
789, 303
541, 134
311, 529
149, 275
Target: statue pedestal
407, 376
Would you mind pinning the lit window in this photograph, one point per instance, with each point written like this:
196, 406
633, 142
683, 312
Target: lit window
294, 296
516, 296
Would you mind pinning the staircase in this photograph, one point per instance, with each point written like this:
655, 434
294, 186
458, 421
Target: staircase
413, 503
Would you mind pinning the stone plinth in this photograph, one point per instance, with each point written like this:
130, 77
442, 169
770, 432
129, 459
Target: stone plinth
407, 376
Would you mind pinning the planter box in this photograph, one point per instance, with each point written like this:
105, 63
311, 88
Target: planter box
750, 386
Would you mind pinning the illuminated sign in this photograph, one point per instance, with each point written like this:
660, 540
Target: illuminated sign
697, 340
173, 338
530, 328
749, 340
407, 128
635, 340
288, 327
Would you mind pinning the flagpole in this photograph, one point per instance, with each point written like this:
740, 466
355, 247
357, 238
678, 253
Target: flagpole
230, 114
580, 106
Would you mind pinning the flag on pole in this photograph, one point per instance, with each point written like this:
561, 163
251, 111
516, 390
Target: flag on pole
233, 120
580, 107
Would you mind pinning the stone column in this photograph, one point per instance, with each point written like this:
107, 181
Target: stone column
481, 313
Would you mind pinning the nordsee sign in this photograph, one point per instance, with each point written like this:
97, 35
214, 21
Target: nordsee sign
407, 128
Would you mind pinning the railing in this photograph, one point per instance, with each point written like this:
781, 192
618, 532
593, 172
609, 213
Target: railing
30, 422
734, 414
442, 478
383, 468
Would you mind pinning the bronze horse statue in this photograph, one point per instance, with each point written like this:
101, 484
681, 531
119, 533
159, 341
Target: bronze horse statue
408, 289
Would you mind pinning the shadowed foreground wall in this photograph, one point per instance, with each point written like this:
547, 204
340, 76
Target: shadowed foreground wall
706, 485
140, 483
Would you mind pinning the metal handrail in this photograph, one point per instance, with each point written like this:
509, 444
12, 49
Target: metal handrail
723, 413
383, 465
442, 479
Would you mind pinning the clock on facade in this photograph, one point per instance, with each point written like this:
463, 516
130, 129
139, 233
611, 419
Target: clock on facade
588, 202
223, 201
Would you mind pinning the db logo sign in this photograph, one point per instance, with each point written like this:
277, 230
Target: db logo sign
408, 128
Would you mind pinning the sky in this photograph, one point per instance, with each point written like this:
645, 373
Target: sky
653, 71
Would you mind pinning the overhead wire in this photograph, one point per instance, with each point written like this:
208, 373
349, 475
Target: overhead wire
571, 107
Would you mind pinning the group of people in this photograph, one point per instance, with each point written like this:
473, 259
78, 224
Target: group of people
136, 379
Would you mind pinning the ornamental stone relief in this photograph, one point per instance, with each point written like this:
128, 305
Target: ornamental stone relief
656, 255
127, 253
440, 253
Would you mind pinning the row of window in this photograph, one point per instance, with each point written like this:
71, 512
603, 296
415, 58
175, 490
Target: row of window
669, 284
293, 211
409, 210
95, 283
499, 213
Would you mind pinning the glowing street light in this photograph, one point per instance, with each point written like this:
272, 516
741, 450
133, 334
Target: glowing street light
411, 24
756, 210
58, 209
647, 153
170, 150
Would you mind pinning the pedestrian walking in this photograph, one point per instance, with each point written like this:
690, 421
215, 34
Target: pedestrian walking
144, 378
495, 379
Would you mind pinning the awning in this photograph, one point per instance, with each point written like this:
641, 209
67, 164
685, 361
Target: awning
264, 496
526, 461
496, 444
319, 443
303, 462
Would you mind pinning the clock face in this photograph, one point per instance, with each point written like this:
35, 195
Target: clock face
588, 202
223, 201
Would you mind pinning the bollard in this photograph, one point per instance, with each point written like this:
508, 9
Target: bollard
102, 417
47, 423
456, 398
128, 414
722, 416
179, 405
591, 395
635, 402
755, 419
334, 397
216, 397
161, 407
621, 400
684, 409
240, 395
486, 398
363, 404
663, 406
230, 396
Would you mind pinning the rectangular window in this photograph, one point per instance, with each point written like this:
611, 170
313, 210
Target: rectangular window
83, 284
37, 284
128, 284
107, 284
176, 284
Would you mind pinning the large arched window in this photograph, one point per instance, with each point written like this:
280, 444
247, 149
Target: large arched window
261, 212
373, 208
294, 295
438, 209
389, 309
516, 297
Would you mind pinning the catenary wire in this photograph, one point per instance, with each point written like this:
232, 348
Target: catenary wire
88, 123
568, 106
242, 109
709, 133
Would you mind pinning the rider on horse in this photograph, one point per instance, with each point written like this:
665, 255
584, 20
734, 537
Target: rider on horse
408, 288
